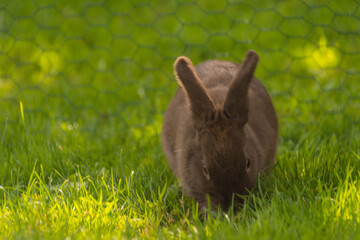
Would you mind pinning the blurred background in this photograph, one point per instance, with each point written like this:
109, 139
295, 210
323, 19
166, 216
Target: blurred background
98, 73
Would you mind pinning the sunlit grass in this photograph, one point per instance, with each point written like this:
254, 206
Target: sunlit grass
74, 186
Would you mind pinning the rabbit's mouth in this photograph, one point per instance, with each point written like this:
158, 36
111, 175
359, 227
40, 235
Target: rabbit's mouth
225, 202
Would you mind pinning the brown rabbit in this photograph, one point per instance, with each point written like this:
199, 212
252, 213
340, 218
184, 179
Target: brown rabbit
220, 129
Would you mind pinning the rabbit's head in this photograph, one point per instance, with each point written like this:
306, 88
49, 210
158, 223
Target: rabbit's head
227, 163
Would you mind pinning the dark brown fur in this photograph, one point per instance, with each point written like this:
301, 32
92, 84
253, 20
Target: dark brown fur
220, 116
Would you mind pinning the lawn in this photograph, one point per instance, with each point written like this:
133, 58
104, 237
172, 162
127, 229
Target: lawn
84, 86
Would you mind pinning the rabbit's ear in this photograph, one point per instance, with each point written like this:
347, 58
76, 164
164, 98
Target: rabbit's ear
200, 102
236, 104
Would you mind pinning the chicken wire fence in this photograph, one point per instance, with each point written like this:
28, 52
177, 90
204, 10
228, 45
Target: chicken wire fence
88, 64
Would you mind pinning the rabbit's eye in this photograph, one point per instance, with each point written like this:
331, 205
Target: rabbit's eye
206, 173
205, 169
247, 163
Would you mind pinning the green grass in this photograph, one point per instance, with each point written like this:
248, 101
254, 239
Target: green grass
82, 157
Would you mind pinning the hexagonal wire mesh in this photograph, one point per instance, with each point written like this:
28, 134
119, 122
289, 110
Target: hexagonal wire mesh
95, 62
